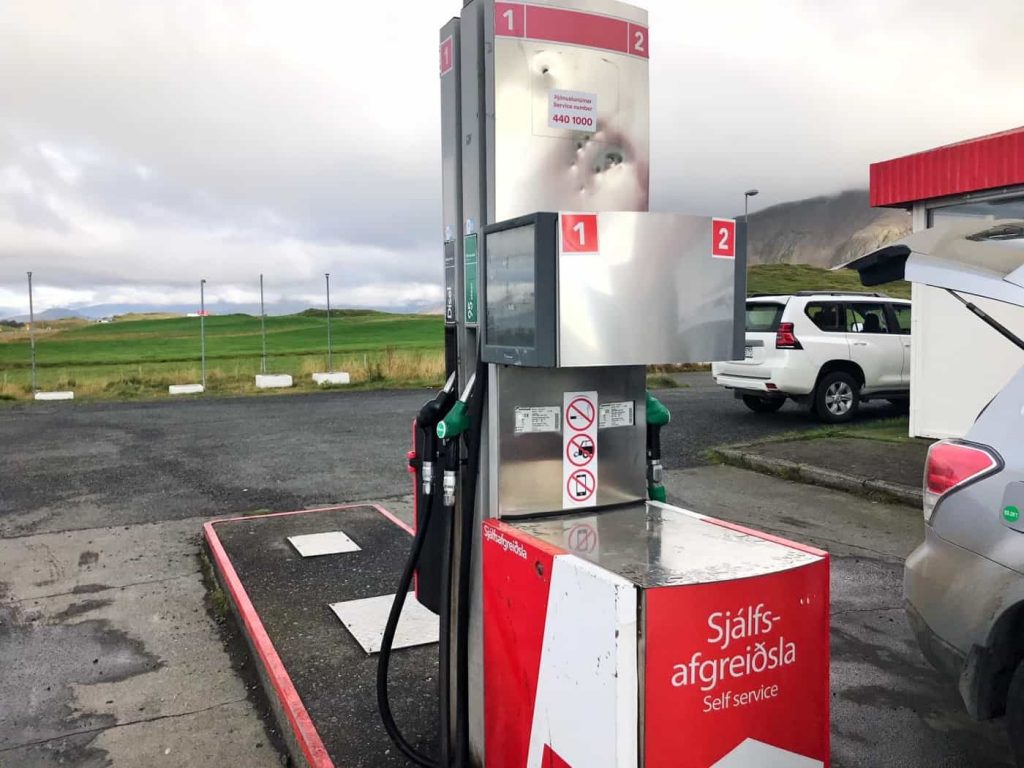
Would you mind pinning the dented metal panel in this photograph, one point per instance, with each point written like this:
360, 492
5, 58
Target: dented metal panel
541, 164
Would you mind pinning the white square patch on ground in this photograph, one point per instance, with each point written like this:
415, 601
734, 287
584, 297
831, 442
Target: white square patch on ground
366, 619
327, 543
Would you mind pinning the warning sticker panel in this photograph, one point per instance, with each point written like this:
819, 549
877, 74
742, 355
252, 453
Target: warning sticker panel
575, 110
579, 449
616, 415
542, 419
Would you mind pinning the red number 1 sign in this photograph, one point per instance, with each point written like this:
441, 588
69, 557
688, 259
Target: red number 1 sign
579, 233
723, 238
447, 56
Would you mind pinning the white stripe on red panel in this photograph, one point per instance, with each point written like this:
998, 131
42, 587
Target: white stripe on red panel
586, 707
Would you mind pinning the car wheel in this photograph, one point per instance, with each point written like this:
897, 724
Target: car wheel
836, 397
763, 404
1015, 715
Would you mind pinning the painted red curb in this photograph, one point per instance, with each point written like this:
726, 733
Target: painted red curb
305, 732
390, 516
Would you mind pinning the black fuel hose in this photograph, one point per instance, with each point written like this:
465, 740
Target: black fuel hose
384, 659
462, 606
426, 421
444, 649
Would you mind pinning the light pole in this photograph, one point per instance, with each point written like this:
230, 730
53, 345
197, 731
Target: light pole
202, 328
263, 329
330, 366
746, 198
32, 331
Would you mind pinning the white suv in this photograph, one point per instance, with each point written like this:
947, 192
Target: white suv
830, 351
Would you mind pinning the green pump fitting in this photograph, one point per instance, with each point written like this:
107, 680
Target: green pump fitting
657, 492
457, 420
455, 423
657, 417
657, 414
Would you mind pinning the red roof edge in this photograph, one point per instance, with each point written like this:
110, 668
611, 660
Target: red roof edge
987, 162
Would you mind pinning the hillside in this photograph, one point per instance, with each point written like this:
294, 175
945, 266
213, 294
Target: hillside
823, 231
790, 278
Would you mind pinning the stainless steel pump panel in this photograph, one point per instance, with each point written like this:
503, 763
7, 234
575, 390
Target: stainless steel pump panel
608, 289
567, 105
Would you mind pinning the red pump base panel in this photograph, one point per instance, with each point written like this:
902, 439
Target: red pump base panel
649, 635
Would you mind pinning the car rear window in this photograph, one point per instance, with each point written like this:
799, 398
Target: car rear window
763, 316
827, 315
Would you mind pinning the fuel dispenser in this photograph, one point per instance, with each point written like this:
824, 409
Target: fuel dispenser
585, 622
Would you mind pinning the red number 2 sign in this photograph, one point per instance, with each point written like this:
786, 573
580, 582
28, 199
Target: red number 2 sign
723, 238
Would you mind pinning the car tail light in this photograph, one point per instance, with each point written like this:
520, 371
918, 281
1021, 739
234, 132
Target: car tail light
952, 464
784, 338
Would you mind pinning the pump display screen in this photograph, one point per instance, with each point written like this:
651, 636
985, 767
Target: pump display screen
511, 290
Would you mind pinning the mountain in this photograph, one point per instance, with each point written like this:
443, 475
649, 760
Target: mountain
54, 313
819, 231
823, 231
96, 311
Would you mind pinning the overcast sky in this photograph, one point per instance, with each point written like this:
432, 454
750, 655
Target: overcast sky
144, 145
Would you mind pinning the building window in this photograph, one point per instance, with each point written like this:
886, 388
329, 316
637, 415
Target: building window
1010, 207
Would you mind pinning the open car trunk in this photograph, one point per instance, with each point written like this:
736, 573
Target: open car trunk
978, 258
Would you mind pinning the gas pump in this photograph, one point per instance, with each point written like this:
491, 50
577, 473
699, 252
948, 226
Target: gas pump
585, 622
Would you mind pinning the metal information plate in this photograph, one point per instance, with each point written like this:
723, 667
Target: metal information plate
543, 419
616, 415
472, 305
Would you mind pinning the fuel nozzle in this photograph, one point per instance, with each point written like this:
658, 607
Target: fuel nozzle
427, 419
448, 488
454, 424
457, 420
657, 417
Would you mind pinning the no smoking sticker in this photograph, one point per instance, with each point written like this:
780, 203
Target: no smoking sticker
580, 413
579, 449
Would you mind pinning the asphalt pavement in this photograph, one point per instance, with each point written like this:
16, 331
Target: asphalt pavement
77, 465
705, 416
110, 657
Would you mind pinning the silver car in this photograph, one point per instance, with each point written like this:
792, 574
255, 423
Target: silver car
964, 586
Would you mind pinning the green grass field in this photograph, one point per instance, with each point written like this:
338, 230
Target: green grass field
789, 278
138, 357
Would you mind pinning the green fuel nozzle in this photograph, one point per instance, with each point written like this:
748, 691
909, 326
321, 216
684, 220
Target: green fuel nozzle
454, 424
657, 417
427, 420
456, 421
657, 414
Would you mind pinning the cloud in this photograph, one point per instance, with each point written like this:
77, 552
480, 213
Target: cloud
146, 145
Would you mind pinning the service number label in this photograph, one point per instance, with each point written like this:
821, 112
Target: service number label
575, 110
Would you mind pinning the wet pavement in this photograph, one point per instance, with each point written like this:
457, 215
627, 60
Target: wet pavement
101, 508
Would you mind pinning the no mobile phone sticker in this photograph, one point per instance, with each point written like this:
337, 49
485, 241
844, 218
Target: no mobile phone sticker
575, 110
